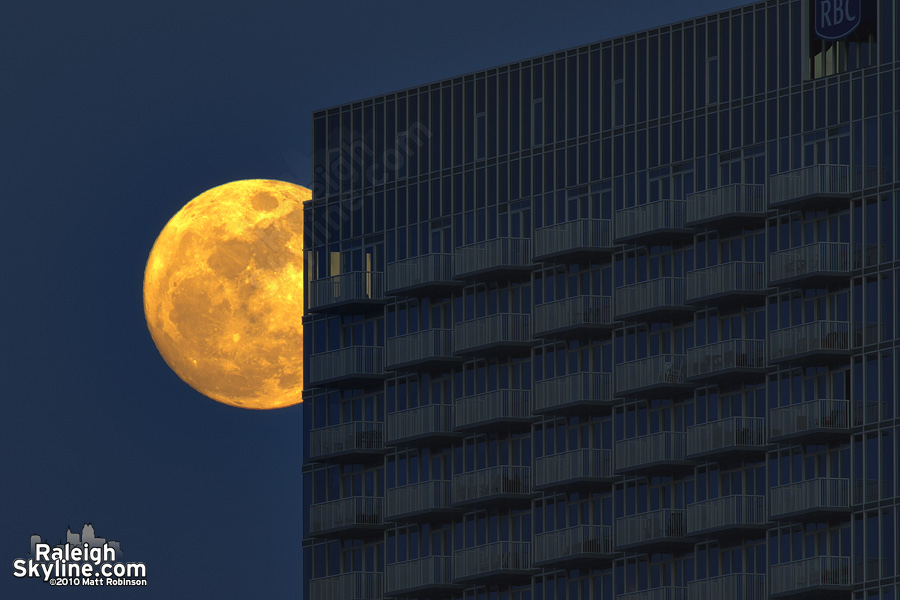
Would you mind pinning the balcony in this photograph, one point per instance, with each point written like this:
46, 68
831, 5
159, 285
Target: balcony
655, 377
813, 499
657, 530
816, 421
655, 300
355, 516
496, 563
356, 290
422, 350
501, 258
573, 241
816, 264
353, 441
578, 393
504, 333
429, 424
734, 438
503, 484
347, 366
654, 223
355, 585
581, 546
581, 468
500, 409
737, 586
731, 282
652, 453
578, 316
727, 516
735, 204
818, 185
811, 343
828, 576
420, 577
422, 275
731, 359
426, 499
665, 592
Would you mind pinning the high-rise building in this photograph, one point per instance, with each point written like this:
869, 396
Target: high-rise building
617, 322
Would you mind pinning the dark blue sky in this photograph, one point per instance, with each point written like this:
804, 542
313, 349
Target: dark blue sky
114, 115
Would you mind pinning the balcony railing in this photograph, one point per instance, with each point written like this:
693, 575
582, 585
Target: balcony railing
821, 420
493, 562
347, 365
354, 289
810, 342
425, 348
501, 257
420, 576
349, 516
652, 223
651, 453
579, 315
732, 281
731, 204
816, 263
494, 483
429, 423
575, 468
655, 299
431, 272
573, 240
347, 439
500, 332
815, 498
729, 515
666, 592
656, 376
500, 408
423, 499
818, 183
582, 544
736, 586
736, 437
578, 392
649, 530
355, 585
729, 359
811, 575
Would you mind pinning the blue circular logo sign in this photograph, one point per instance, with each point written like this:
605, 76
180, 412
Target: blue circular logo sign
836, 19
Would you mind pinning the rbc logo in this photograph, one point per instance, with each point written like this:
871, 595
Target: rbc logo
836, 19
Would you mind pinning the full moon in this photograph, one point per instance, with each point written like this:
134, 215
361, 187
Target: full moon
223, 293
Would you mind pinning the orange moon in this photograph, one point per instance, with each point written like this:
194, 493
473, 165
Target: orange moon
223, 293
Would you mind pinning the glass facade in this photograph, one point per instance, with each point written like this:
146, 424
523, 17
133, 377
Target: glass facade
616, 322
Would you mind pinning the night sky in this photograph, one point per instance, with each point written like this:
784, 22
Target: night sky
114, 115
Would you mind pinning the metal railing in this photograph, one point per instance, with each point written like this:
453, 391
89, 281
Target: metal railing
493, 407
651, 527
736, 586
582, 540
739, 277
355, 511
578, 311
828, 336
577, 389
737, 199
588, 464
818, 180
504, 480
346, 288
418, 574
497, 557
831, 258
724, 434
573, 236
662, 370
666, 592
356, 585
819, 494
497, 254
648, 450
809, 574
716, 358
355, 436
421, 421
655, 294
417, 498
821, 415
355, 361
421, 271
727, 512
430, 344
503, 328
646, 219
